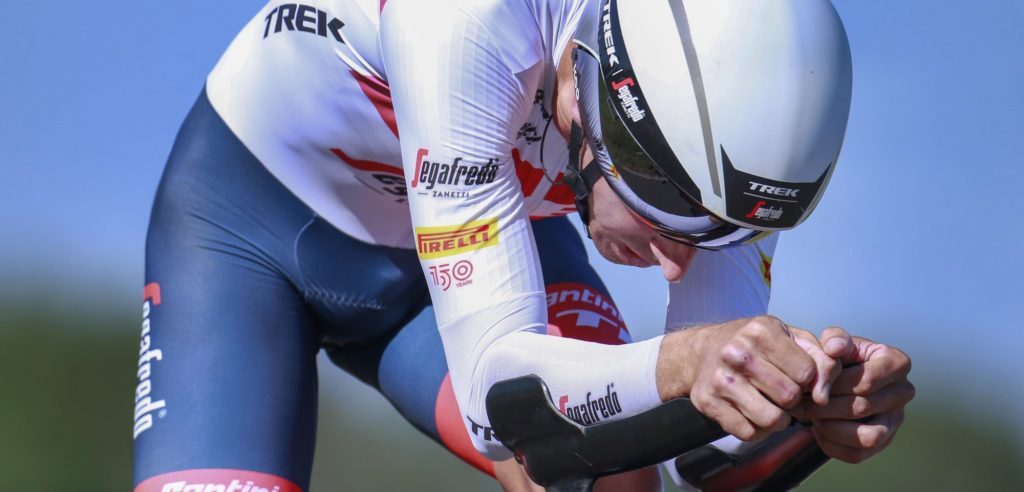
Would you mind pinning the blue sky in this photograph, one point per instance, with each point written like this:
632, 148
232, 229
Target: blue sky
917, 242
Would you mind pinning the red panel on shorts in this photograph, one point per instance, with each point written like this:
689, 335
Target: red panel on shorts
453, 432
216, 479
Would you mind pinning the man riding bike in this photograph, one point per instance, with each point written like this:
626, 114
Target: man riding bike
291, 217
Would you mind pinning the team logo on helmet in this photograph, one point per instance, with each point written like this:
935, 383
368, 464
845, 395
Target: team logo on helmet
627, 101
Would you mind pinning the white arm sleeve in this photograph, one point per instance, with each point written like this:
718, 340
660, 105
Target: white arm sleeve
463, 77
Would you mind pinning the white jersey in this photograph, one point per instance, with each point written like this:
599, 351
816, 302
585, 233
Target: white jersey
320, 91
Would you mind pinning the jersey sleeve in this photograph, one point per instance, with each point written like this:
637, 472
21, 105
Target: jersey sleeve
723, 285
463, 77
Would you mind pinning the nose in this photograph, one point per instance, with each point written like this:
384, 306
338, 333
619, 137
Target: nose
674, 258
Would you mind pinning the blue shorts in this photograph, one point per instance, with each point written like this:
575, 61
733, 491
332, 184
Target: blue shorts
245, 284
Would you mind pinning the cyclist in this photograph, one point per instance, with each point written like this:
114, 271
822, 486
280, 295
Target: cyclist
291, 218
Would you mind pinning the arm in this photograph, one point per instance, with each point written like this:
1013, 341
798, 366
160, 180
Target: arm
730, 289
459, 97
855, 413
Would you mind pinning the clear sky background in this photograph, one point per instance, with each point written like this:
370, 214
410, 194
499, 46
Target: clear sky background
917, 242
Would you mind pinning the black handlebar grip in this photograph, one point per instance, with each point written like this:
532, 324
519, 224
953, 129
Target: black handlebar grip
554, 449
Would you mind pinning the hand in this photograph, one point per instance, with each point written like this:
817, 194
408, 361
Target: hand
867, 401
745, 374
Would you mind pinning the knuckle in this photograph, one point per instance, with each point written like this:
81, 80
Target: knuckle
869, 381
830, 367
910, 392
704, 402
763, 326
834, 331
735, 354
780, 420
806, 372
790, 396
903, 363
720, 376
872, 437
861, 407
746, 432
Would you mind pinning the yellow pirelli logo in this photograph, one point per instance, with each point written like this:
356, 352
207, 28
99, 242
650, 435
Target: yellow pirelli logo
440, 242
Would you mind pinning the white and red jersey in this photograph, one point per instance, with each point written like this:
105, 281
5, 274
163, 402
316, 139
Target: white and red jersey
304, 86
320, 92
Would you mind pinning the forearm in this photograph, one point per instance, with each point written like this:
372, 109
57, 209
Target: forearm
589, 382
678, 360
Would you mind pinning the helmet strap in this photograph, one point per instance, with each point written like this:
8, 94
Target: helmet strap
580, 179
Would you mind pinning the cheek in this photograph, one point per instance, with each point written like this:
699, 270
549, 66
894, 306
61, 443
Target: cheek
617, 223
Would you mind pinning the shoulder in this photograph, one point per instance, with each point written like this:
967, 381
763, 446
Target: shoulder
510, 28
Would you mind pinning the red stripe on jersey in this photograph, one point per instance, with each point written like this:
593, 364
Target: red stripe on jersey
561, 193
529, 176
216, 479
453, 432
379, 94
382, 2
371, 166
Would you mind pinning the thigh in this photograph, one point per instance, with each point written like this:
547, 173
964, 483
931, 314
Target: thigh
226, 391
410, 369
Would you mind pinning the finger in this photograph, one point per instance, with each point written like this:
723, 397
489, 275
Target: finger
828, 369
765, 337
883, 366
758, 410
731, 389
856, 407
845, 453
837, 343
771, 382
727, 416
862, 435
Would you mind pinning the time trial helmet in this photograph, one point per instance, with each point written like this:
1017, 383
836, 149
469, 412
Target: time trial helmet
715, 121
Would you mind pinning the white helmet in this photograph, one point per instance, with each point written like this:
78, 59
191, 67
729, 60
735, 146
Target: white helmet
725, 117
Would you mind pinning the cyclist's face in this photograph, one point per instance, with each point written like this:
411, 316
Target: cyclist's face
618, 234
621, 237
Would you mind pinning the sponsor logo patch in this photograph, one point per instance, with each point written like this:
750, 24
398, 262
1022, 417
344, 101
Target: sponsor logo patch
592, 409
578, 311
485, 433
774, 190
216, 480
445, 275
441, 242
628, 102
145, 403
304, 18
766, 213
609, 41
430, 174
